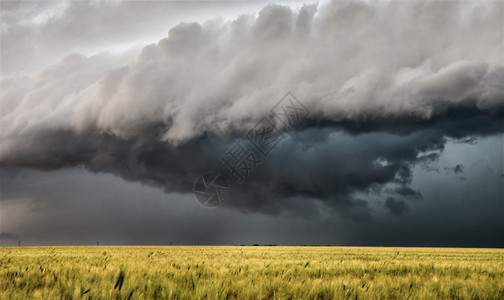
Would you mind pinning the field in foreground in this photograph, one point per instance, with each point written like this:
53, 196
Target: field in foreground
194, 272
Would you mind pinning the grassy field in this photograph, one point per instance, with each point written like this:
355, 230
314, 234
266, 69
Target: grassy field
193, 272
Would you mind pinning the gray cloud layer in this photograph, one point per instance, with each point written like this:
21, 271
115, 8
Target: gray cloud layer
75, 206
385, 83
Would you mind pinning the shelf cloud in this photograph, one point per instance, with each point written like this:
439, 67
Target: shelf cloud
385, 84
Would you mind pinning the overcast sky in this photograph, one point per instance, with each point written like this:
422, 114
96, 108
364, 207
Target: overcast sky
110, 111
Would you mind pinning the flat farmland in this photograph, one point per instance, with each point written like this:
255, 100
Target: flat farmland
250, 272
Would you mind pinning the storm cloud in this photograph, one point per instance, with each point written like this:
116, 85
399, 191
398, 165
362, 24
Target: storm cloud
386, 84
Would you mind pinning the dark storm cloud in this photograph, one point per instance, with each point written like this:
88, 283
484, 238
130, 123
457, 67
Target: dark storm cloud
408, 192
324, 165
74, 206
458, 169
396, 207
385, 85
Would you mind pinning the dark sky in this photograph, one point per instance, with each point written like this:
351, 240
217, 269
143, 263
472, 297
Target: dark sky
110, 112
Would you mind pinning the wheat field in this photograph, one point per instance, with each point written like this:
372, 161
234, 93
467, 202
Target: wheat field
249, 272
